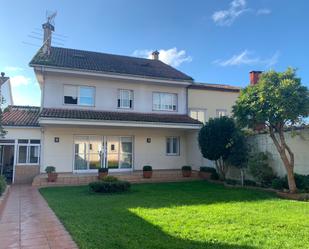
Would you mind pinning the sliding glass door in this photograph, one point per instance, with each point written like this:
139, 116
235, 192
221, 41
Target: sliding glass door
93, 152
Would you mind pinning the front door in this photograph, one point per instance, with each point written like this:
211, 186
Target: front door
93, 152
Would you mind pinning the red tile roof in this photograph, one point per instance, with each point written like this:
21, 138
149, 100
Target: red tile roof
116, 116
21, 116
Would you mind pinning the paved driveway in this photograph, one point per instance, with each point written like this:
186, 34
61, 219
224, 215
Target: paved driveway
28, 222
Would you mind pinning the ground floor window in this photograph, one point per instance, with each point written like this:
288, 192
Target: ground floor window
28, 151
93, 152
172, 146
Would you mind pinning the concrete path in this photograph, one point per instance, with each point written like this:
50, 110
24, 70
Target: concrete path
27, 222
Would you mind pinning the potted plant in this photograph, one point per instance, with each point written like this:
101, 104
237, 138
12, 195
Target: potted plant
207, 172
102, 173
147, 171
186, 171
51, 173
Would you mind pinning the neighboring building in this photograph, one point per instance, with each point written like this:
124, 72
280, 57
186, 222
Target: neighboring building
6, 91
103, 110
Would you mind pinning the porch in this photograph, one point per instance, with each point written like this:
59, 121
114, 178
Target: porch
133, 177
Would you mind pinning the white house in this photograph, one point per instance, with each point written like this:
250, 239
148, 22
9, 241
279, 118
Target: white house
104, 110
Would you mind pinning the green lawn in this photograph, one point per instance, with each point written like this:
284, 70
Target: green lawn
186, 215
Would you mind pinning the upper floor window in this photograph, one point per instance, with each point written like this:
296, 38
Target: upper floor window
198, 114
221, 113
164, 101
79, 95
125, 99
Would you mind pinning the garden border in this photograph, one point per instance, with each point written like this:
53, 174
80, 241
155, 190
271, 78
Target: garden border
4, 198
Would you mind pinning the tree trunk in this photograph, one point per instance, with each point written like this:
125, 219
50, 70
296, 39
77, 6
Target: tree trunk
221, 168
288, 162
242, 176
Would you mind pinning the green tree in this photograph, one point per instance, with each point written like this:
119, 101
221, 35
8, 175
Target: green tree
239, 151
277, 101
215, 140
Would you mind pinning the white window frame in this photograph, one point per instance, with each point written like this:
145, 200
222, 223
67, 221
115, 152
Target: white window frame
28, 148
171, 146
161, 106
204, 111
120, 99
218, 111
78, 87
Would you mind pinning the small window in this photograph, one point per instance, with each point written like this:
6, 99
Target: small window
199, 115
79, 95
221, 113
28, 151
22, 154
172, 146
125, 99
164, 101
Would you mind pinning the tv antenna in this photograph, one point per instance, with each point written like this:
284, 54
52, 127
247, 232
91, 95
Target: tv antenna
50, 17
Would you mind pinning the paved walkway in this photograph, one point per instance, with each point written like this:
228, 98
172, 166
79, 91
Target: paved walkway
27, 222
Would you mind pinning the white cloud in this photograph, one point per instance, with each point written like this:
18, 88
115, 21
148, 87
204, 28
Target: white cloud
18, 80
228, 16
172, 56
248, 58
11, 69
25, 99
263, 12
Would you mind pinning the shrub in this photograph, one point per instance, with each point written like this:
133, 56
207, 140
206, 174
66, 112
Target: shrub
147, 168
186, 168
2, 184
208, 170
232, 182
279, 183
109, 179
50, 169
102, 170
259, 168
214, 176
249, 183
109, 186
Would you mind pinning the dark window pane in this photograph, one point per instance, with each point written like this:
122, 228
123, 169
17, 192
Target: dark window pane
35, 141
70, 100
34, 154
7, 141
23, 141
22, 154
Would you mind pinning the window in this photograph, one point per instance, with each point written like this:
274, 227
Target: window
79, 95
164, 101
199, 115
172, 146
28, 151
125, 99
221, 113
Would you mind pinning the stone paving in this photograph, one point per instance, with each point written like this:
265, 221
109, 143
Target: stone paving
27, 222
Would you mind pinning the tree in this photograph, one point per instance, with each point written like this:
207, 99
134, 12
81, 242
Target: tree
278, 100
215, 139
238, 155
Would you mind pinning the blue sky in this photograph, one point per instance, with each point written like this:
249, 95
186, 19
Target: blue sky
212, 41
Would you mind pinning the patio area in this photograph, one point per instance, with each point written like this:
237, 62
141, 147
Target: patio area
133, 177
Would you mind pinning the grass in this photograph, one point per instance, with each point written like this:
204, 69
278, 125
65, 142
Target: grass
190, 215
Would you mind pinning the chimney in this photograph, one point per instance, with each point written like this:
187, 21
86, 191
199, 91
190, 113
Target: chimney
155, 55
48, 29
254, 77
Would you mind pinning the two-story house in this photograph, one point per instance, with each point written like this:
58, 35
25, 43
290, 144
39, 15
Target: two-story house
103, 110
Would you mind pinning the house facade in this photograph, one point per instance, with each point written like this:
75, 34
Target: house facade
102, 110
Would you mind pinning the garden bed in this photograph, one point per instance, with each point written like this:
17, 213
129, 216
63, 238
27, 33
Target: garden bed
3, 198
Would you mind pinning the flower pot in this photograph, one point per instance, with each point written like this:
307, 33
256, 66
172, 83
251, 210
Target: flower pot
147, 174
102, 175
205, 175
52, 177
186, 173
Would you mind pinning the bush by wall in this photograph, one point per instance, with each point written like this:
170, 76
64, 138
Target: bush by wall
302, 183
109, 184
260, 169
2, 184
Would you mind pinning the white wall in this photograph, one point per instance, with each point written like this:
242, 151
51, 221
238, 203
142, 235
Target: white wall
22, 133
6, 93
211, 100
60, 154
299, 145
107, 93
